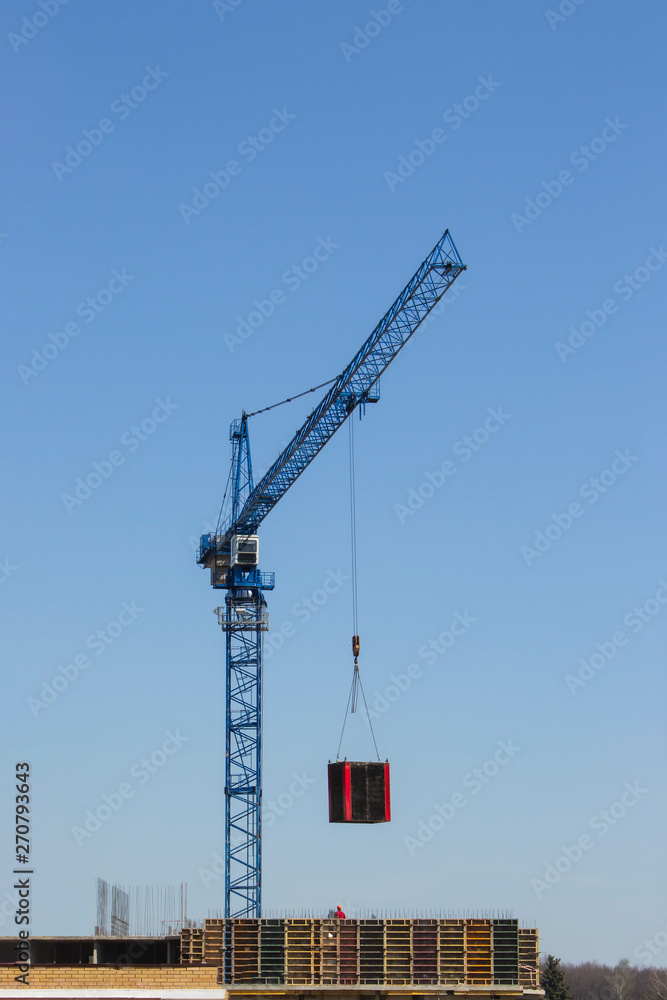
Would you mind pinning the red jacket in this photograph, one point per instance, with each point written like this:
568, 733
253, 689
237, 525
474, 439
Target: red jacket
339, 913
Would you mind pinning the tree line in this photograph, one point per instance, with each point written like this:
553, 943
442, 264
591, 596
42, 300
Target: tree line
592, 981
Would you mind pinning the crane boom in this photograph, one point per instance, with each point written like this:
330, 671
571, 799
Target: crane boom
231, 554
424, 290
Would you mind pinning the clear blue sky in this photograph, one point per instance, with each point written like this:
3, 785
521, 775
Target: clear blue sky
550, 175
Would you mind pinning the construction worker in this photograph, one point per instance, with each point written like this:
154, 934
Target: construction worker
339, 912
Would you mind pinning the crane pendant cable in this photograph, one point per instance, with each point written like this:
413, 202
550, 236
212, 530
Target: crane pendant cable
356, 686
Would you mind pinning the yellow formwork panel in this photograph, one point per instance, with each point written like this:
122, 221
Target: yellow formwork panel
245, 951
398, 951
192, 946
300, 951
214, 941
479, 955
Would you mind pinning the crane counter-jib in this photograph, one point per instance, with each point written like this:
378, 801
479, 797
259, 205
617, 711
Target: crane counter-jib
352, 387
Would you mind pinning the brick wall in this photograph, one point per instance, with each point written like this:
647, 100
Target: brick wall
100, 977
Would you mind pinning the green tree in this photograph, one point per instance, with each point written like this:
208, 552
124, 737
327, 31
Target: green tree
553, 981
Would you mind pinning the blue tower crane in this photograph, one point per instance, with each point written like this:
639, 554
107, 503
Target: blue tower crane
231, 553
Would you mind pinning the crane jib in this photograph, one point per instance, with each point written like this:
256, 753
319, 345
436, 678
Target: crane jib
424, 290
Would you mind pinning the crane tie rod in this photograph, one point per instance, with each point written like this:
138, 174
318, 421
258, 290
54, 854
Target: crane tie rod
290, 398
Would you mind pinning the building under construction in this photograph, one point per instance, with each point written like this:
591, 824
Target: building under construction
464, 957
246, 953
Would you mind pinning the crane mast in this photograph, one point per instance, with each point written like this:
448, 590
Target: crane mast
232, 556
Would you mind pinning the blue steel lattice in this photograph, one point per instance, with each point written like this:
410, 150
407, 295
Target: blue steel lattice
424, 290
242, 485
244, 617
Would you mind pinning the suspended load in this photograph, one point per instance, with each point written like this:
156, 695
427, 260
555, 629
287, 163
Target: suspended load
359, 792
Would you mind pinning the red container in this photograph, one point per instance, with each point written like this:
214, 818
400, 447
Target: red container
359, 792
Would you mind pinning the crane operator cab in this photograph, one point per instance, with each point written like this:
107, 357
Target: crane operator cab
245, 551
